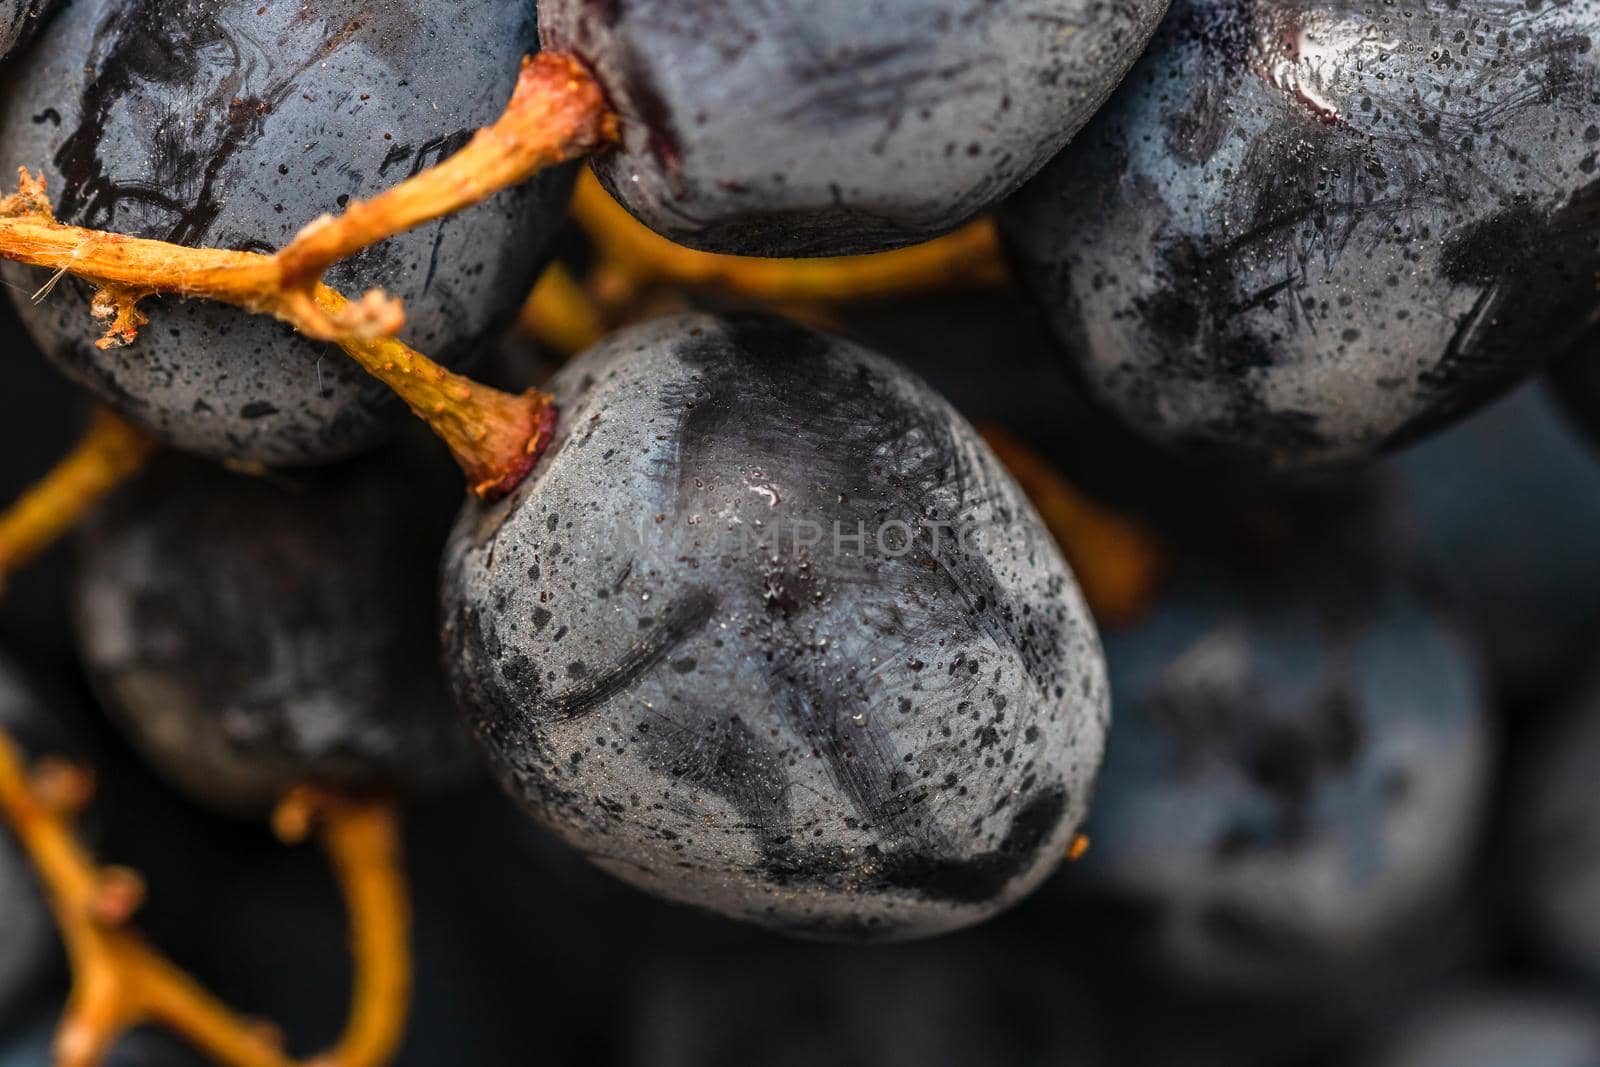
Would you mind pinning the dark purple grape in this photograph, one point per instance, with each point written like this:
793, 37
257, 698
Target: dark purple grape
235, 123
251, 636
1302, 233
19, 21
1298, 762
768, 630
837, 126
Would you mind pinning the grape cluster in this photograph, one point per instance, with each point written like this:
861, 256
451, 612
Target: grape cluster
850, 620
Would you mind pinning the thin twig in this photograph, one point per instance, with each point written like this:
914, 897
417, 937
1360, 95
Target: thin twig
120, 982
494, 436
557, 113
110, 452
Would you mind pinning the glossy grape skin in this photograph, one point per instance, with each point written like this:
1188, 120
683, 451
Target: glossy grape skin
20, 20
827, 740
235, 124
1497, 1028
28, 947
839, 126
1297, 766
1302, 233
251, 637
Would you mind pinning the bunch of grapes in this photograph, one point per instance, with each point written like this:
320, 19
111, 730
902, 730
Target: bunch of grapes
994, 531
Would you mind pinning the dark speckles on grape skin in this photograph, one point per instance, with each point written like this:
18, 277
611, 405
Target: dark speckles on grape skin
781, 779
1511, 256
234, 124
840, 126
20, 20
1316, 170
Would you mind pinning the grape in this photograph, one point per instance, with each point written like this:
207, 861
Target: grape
19, 21
1304, 233
837, 126
767, 629
253, 637
676, 664
1299, 759
234, 124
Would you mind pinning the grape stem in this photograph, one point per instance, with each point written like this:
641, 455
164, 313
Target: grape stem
120, 982
362, 841
561, 314
110, 452
558, 112
494, 436
1120, 565
633, 263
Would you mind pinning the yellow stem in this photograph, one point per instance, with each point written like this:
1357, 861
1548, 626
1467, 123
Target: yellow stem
121, 982
557, 113
109, 453
494, 436
561, 314
362, 840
